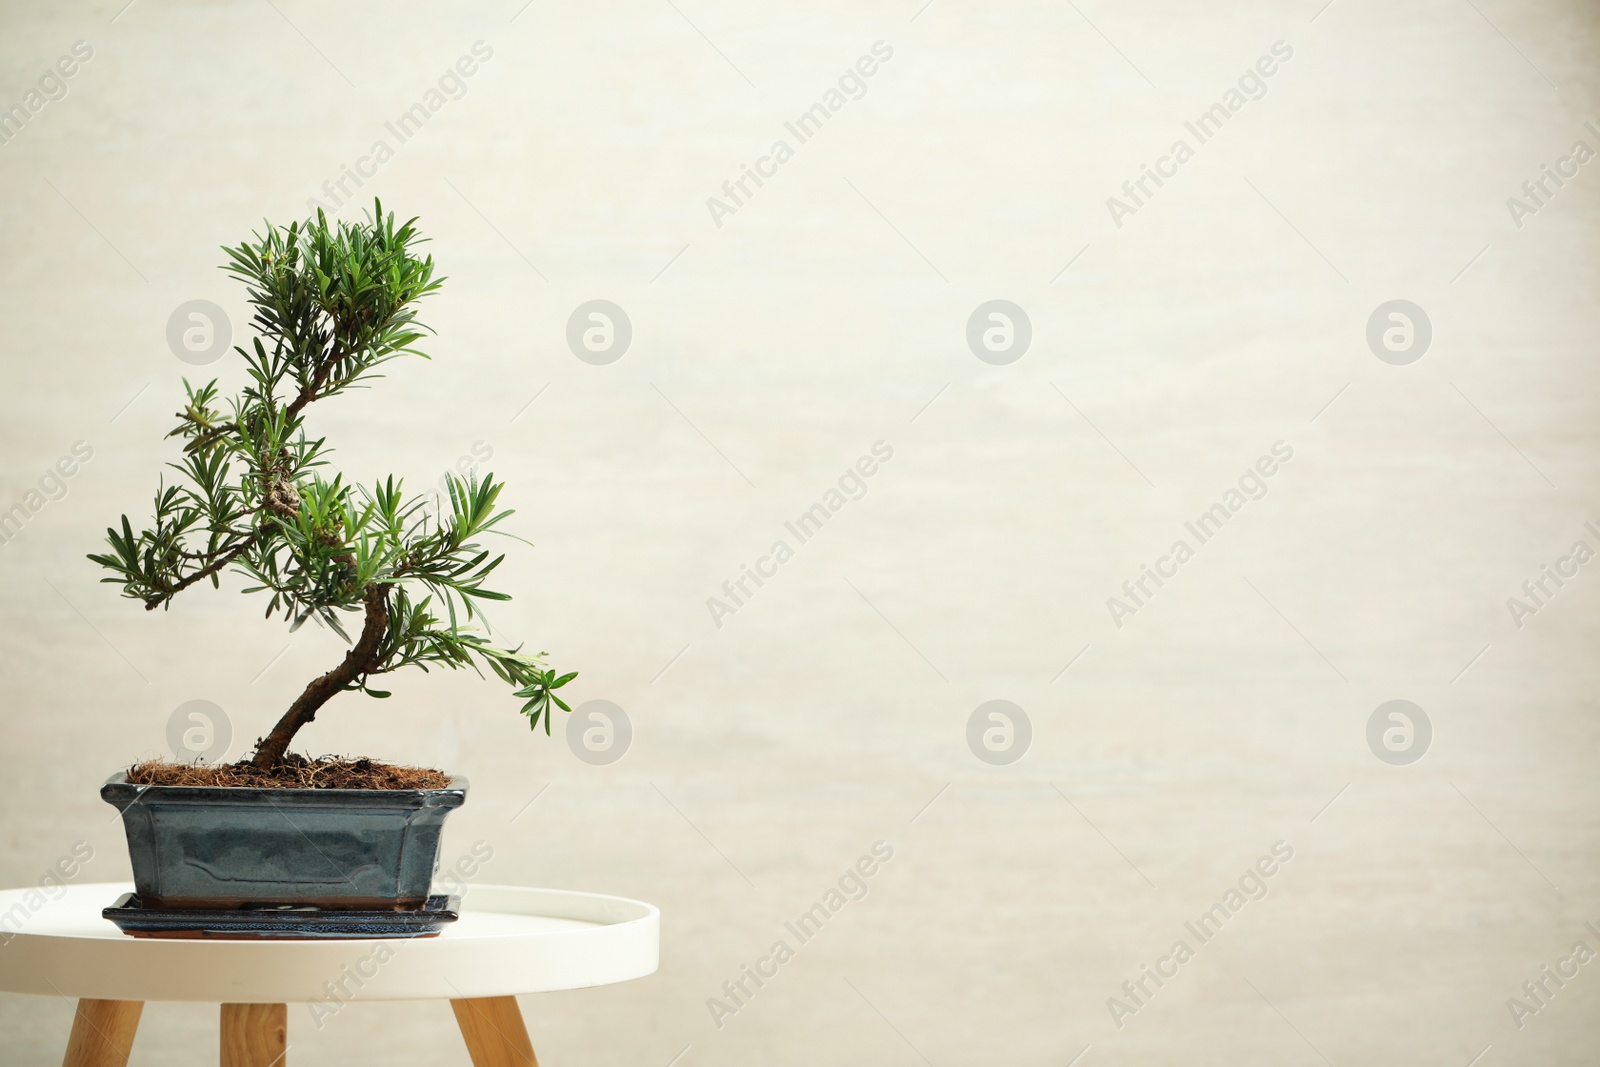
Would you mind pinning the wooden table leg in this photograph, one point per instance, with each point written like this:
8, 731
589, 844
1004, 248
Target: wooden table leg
255, 1035
495, 1035
102, 1033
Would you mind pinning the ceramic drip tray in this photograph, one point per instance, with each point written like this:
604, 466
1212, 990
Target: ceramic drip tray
287, 921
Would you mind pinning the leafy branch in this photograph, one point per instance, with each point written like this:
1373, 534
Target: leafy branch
332, 302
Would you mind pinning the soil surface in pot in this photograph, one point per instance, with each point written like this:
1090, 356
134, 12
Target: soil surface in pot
292, 772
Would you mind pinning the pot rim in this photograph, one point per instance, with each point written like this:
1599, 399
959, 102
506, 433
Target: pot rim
119, 785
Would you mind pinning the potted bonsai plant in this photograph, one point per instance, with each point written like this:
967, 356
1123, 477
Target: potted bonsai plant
253, 496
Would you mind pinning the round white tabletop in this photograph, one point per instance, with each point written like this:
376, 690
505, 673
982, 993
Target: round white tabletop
508, 940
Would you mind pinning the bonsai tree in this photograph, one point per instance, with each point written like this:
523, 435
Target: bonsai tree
253, 493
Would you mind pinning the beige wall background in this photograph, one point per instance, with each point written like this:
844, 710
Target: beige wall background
829, 312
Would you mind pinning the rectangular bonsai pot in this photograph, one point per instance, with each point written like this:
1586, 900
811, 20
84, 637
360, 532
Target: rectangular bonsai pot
210, 847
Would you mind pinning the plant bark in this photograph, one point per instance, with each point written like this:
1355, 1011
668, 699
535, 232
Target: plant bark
360, 659
319, 379
214, 567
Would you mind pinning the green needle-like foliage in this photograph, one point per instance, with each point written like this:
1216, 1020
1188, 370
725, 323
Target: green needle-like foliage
333, 302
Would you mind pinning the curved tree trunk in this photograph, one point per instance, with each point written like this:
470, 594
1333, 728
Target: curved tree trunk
356, 663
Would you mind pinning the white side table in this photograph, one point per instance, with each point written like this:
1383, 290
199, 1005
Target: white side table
508, 940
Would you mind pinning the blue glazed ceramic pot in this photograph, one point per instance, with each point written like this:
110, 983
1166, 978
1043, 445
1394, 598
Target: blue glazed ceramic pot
210, 847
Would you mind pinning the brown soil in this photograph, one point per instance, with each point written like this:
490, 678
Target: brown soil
292, 772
